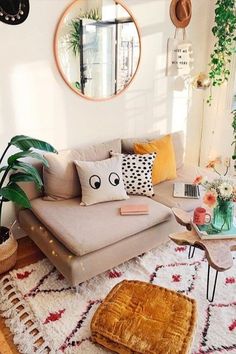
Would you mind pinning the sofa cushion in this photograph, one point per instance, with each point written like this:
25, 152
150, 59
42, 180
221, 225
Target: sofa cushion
84, 230
164, 191
101, 181
177, 138
137, 173
142, 318
61, 180
164, 167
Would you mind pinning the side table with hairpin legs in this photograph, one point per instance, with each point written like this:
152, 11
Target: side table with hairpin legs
218, 252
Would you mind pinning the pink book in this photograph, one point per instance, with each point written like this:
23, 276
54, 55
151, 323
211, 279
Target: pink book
134, 209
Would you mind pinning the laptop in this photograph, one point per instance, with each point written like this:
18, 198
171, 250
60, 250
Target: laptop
186, 190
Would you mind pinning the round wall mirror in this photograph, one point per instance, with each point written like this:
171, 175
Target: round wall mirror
97, 48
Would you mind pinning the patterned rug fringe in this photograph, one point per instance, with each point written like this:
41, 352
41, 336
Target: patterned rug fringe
19, 318
39, 297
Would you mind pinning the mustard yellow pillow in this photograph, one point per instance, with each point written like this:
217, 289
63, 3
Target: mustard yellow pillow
164, 167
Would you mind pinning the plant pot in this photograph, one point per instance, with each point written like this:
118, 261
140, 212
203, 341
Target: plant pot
8, 251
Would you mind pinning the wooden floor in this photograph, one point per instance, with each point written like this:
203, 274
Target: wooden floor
28, 253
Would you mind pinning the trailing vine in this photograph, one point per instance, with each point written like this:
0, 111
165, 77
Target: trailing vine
224, 31
234, 132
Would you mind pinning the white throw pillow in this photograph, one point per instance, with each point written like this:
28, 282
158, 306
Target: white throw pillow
137, 173
101, 181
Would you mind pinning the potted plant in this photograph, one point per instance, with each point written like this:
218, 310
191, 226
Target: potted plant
18, 171
220, 195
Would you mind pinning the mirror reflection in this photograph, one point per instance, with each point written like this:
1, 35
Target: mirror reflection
97, 48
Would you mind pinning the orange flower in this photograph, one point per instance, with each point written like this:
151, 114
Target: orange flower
234, 194
213, 163
198, 180
210, 199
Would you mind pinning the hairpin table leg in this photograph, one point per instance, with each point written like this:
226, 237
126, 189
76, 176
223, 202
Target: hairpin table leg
208, 284
191, 252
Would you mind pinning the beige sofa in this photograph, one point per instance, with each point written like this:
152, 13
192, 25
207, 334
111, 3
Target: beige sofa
84, 241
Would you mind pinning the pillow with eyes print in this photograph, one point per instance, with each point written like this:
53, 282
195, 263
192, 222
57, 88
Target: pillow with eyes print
101, 181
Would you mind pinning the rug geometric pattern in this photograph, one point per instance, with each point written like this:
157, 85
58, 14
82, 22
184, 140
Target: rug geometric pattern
65, 316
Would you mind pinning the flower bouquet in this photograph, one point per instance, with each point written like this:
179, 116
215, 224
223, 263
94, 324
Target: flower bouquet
220, 195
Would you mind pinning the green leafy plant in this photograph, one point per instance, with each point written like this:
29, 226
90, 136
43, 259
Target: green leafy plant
20, 171
74, 34
77, 85
224, 31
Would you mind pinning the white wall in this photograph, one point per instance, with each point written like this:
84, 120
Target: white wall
34, 99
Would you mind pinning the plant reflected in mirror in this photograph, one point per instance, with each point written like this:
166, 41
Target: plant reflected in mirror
74, 34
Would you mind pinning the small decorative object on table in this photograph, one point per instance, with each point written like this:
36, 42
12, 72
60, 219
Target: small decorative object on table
200, 216
208, 232
220, 195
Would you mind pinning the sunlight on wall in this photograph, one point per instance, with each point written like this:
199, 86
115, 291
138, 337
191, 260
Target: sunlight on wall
161, 91
160, 109
217, 130
180, 109
152, 17
1, 116
35, 116
136, 104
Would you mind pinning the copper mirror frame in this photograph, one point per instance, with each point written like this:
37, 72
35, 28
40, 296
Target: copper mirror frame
83, 35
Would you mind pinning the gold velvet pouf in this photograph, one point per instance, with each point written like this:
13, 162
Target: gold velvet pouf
138, 317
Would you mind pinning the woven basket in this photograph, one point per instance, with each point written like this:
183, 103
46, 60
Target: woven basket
8, 254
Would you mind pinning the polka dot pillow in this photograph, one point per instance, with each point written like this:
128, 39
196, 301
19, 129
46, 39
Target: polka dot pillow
137, 173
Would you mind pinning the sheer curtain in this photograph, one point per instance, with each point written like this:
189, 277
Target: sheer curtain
217, 134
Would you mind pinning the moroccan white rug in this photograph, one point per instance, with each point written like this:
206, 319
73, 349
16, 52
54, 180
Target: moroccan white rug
63, 317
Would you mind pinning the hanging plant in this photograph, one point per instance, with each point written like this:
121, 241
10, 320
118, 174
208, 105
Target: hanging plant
224, 31
234, 133
74, 40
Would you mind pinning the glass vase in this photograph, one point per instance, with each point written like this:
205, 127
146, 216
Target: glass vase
223, 215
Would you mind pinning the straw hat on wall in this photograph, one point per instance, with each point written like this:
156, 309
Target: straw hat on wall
180, 12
